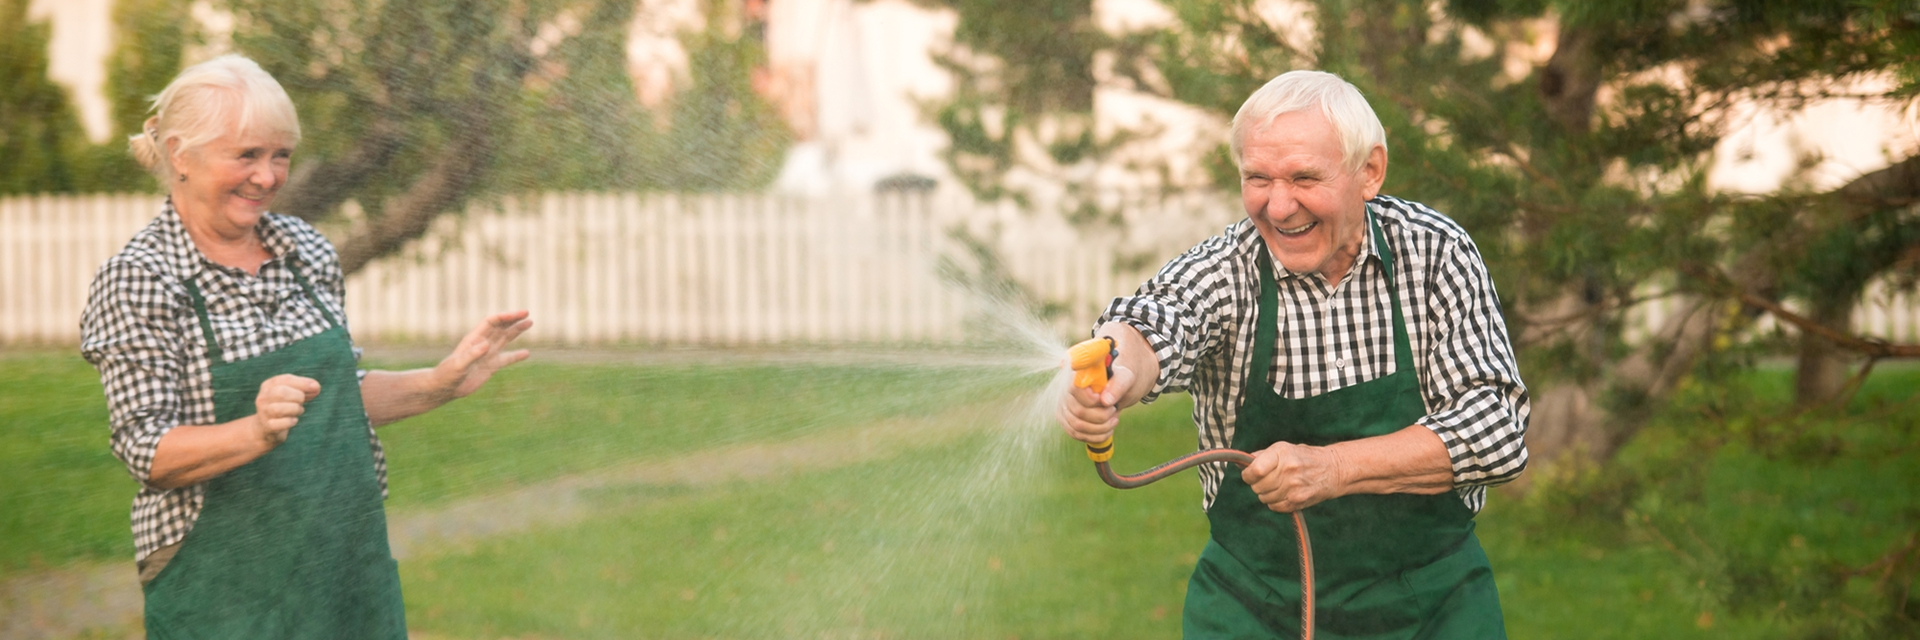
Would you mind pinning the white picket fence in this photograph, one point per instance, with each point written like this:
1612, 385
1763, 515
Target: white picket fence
600, 269
682, 269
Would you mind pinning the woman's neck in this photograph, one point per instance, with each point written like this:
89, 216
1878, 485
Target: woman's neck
228, 247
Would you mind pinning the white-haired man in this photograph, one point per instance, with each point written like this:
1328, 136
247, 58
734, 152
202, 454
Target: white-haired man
1353, 343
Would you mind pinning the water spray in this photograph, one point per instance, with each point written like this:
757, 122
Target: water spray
1092, 364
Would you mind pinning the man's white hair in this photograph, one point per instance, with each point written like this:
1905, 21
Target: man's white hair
1353, 120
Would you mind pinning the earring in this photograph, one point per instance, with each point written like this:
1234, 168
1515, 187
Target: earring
183, 177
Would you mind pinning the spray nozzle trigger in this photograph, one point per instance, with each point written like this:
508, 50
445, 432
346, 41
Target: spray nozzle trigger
1092, 363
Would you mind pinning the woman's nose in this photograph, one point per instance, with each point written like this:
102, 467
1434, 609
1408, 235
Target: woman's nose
266, 175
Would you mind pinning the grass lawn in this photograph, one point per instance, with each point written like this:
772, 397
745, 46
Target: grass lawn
64, 497
997, 533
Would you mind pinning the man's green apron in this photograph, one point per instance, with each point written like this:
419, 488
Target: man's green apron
294, 543
1386, 566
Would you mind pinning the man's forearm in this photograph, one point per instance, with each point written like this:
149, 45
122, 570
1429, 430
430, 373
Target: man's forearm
1137, 356
1411, 460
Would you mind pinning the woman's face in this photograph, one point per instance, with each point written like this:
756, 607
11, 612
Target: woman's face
231, 181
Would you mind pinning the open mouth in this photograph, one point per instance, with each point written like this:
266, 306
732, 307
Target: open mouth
1302, 229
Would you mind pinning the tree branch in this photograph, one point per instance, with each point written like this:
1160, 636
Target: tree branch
458, 167
316, 189
1571, 79
1895, 186
1868, 346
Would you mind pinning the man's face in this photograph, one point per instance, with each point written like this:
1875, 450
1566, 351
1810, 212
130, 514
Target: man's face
1309, 209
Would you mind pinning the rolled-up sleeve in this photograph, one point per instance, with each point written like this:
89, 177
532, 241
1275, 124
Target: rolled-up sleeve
1180, 312
1479, 406
130, 332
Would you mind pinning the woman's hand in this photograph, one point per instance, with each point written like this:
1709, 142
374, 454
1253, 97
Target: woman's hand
192, 454
283, 398
481, 353
391, 396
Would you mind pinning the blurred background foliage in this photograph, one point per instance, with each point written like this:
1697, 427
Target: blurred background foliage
412, 109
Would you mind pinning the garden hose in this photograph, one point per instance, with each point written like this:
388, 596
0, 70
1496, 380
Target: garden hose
1092, 364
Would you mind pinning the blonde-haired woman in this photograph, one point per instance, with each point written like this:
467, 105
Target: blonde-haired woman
234, 393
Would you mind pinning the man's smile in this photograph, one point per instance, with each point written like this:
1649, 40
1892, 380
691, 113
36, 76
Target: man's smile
1297, 230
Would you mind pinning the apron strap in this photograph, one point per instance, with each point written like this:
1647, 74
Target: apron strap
1267, 332
1402, 345
293, 265
206, 324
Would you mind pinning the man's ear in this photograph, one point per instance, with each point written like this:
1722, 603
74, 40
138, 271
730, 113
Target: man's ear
1374, 172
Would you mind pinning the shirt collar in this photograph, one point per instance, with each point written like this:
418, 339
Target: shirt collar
186, 257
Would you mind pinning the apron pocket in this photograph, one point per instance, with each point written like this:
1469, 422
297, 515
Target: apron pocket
1457, 595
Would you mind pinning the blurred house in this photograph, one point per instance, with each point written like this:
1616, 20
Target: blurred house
849, 78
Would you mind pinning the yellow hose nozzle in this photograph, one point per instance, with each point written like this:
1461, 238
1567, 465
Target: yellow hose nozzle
1101, 452
1092, 364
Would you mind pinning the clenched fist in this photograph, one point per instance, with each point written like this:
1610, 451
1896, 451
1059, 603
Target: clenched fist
278, 407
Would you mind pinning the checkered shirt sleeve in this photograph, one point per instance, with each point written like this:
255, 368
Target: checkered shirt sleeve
1198, 312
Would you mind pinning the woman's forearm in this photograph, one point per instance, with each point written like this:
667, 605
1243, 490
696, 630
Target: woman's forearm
192, 454
392, 396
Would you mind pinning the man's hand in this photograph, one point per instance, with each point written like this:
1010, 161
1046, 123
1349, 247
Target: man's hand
1290, 477
1090, 417
283, 398
481, 353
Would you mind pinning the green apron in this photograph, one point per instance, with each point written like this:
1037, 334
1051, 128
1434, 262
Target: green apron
294, 543
1385, 566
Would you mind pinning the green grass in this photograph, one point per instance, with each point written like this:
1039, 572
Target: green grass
1714, 529
66, 498
911, 546
536, 421
63, 496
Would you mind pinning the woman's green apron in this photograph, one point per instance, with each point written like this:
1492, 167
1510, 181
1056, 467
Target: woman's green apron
1386, 566
294, 543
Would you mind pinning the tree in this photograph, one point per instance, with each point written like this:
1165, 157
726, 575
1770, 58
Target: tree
39, 130
414, 109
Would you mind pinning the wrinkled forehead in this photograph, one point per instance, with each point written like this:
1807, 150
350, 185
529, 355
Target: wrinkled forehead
1296, 137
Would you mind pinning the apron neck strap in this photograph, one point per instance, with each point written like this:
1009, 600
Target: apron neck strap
1267, 331
214, 353
1402, 345
293, 265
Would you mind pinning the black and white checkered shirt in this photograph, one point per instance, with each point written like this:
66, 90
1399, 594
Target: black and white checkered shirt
140, 331
1198, 314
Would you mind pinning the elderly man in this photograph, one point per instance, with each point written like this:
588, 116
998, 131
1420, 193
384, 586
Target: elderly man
1353, 343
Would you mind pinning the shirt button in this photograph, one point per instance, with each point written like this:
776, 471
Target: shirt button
1341, 363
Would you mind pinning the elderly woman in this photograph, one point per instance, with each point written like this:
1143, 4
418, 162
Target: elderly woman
235, 398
